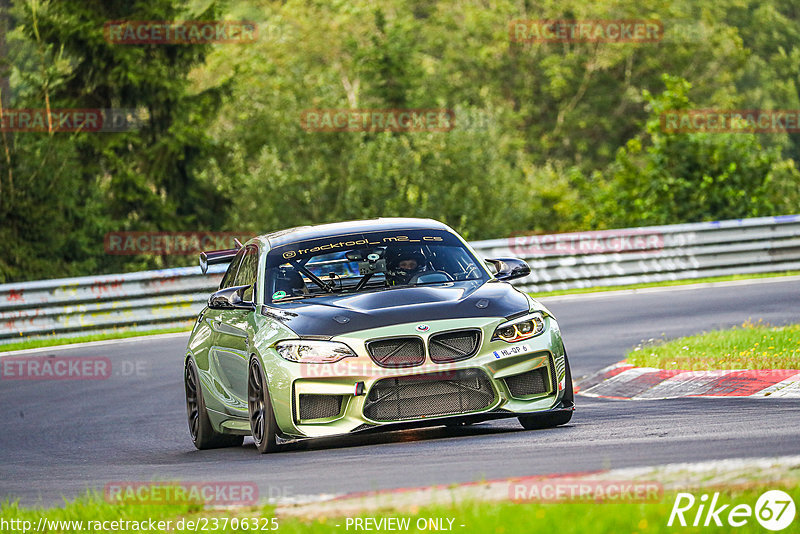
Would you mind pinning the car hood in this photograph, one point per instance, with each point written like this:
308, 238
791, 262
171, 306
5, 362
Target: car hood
337, 315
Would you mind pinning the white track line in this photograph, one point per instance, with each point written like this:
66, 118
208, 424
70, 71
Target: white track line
661, 289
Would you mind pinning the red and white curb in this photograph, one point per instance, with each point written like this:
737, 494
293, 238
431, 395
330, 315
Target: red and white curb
625, 381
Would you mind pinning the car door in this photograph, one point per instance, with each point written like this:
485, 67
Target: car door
231, 339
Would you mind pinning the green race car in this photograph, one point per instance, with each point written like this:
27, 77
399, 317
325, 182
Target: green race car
368, 325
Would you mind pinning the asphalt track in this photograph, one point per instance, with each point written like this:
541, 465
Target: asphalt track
58, 438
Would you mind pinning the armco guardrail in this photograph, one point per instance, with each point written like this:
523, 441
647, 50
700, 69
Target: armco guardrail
173, 297
90, 304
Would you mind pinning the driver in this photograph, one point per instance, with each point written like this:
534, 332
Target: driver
403, 266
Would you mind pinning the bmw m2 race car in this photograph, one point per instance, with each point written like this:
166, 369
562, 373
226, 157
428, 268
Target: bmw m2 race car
368, 325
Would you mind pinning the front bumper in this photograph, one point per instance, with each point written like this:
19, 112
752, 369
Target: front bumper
355, 394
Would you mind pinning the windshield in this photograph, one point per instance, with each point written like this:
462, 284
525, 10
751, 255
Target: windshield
368, 262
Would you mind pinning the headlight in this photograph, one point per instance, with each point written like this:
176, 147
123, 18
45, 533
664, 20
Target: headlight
520, 328
311, 351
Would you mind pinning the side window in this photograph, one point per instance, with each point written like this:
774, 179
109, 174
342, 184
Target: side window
248, 271
230, 274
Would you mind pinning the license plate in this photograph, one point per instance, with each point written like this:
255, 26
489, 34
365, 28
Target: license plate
512, 351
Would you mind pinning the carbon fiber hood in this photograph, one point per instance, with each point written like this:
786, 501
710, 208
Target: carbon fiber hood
337, 315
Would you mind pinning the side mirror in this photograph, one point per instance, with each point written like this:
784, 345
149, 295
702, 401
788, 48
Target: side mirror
230, 298
218, 256
509, 268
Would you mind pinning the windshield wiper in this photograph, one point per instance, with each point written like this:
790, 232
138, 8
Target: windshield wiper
432, 283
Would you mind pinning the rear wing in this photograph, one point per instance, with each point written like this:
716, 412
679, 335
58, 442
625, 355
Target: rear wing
218, 256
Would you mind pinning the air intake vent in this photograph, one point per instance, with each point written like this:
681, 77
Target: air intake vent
454, 346
560, 367
437, 394
397, 351
320, 406
530, 383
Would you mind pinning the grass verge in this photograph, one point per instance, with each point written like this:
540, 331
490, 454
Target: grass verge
666, 283
462, 517
750, 346
50, 342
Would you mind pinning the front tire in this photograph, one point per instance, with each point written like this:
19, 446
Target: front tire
259, 407
203, 434
553, 419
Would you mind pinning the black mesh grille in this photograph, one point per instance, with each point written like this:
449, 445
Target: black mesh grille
397, 351
414, 397
320, 406
529, 383
454, 346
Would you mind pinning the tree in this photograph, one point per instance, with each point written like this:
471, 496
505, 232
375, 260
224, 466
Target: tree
88, 183
670, 177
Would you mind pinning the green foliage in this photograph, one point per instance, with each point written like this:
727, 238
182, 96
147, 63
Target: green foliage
63, 191
751, 346
696, 176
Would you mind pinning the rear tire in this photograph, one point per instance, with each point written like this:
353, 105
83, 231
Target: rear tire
203, 434
259, 407
553, 419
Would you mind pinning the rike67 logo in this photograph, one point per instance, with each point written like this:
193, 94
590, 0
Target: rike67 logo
774, 510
